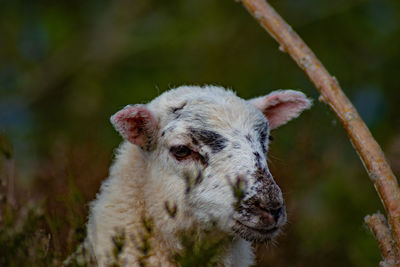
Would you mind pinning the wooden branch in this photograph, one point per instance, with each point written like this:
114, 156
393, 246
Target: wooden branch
379, 228
367, 148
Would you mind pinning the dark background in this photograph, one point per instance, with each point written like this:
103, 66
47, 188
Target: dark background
66, 66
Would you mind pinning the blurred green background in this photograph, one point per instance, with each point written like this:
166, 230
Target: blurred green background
66, 66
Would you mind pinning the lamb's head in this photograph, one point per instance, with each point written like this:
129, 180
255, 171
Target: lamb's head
211, 147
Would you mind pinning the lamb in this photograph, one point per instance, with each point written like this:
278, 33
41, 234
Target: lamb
217, 137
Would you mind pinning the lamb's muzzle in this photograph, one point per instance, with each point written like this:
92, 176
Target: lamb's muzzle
260, 217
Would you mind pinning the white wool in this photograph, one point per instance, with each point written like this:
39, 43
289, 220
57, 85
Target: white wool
142, 180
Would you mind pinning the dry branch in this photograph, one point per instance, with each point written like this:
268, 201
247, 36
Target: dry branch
368, 149
379, 228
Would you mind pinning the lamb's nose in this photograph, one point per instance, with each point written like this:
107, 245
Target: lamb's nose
270, 214
276, 213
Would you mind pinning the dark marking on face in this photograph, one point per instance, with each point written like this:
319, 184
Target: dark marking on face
258, 157
261, 126
236, 145
194, 118
262, 130
175, 110
194, 140
170, 128
248, 138
268, 193
205, 159
261, 174
209, 138
230, 156
263, 138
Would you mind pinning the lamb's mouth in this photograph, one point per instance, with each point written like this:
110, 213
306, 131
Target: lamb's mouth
254, 234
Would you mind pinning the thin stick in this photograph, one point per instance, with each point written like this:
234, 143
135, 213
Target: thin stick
367, 148
379, 228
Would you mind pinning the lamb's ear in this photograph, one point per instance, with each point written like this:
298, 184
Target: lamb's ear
281, 106
137, 125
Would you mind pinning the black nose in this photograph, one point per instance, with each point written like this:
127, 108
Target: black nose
267, 212
276, 213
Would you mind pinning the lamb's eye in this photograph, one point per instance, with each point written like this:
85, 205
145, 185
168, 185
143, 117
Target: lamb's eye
180, 152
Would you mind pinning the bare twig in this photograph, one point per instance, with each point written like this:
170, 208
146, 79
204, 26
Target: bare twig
368, 149
379, 228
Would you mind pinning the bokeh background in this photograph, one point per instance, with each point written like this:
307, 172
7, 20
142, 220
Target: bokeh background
67, 66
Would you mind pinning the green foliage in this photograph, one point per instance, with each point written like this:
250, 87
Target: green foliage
171, 210
202, 245
31, 236
80, 258
26, 238
238, 189
67, 65
192, 180
22, 241
201, 248
143, 241
119, 240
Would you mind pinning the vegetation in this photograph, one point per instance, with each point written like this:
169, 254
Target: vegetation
66, 66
